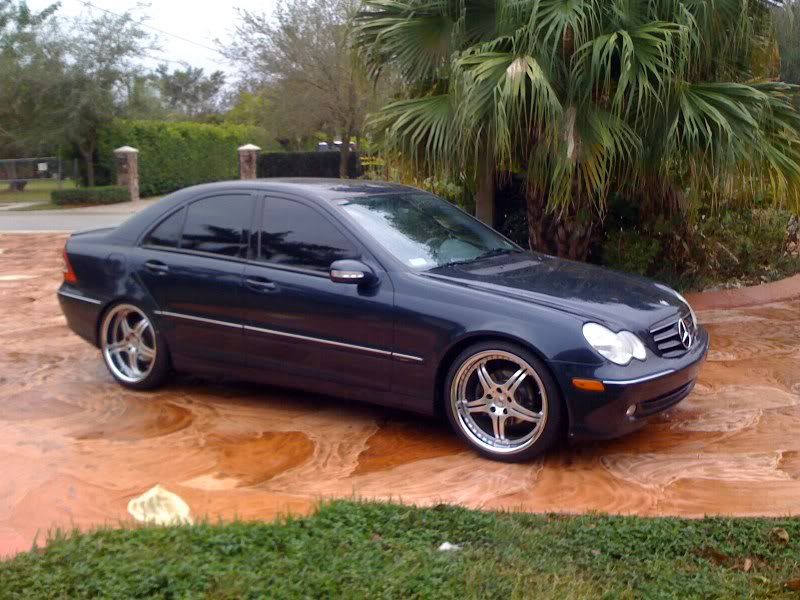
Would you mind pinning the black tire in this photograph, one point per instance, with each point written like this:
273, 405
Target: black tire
549, 432
150, 339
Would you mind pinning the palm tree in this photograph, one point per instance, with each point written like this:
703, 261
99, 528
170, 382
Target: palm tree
660, 100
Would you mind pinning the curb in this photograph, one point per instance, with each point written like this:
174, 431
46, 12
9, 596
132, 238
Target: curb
766, 293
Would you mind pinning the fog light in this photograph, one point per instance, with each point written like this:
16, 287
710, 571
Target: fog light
631, 410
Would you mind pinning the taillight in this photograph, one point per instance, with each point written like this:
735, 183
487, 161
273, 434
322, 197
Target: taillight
69, 273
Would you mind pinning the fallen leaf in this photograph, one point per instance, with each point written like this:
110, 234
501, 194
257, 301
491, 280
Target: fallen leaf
161, 507
781, 535
748, 564
596, 552
713, 555
793, 585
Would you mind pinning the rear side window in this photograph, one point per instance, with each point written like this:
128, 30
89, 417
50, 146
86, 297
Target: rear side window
296, 235
218, 225
167, 233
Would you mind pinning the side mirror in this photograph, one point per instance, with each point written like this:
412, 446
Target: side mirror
351, 271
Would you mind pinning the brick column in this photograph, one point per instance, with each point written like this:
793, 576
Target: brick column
248, 161
128, 170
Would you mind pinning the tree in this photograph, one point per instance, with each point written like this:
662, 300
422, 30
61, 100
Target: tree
61, 79
658, 100
102, 54
26, 69
302, 58
189, 91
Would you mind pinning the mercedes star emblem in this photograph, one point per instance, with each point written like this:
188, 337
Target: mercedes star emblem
685, 334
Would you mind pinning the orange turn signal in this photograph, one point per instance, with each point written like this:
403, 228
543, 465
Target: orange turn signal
589, 385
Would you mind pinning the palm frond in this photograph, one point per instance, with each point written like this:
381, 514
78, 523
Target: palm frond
421, 130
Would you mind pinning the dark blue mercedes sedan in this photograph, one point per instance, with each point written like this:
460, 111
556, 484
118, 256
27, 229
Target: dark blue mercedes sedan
386, 294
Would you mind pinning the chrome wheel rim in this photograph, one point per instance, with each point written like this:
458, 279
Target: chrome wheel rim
128, 343
499, 401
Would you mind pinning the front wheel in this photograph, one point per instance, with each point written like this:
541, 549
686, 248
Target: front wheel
503, 402
133, 350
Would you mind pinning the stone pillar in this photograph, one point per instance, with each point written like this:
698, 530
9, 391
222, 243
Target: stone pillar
128, 170
248, 161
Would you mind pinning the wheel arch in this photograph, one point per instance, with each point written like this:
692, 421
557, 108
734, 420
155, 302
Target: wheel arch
457, 347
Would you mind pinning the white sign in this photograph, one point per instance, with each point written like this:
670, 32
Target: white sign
42, 167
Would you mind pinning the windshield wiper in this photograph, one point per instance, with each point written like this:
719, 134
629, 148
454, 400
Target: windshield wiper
495, 252
487, 254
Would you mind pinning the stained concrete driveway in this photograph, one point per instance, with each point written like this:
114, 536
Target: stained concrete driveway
75, 447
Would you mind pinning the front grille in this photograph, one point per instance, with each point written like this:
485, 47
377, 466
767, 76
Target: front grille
663, 402
668, 338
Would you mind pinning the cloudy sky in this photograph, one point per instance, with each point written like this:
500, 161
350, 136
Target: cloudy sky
199, 22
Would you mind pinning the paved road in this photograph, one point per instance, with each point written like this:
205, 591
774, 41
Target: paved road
68, 220
75, 447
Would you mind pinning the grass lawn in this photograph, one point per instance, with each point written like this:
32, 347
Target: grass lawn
35, 191
355, 550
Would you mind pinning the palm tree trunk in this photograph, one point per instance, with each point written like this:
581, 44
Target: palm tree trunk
484, 198
568, 234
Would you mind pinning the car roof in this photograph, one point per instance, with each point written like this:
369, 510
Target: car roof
334, 188
315, 187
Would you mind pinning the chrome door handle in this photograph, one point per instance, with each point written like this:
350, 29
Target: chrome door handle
260, 285
157, 267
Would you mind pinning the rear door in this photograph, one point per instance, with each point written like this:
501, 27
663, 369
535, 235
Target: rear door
192, 264
298, 320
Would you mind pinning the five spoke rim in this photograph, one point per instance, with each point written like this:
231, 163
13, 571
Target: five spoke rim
128, 343
500, 401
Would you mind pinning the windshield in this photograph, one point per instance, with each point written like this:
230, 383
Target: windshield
424, 231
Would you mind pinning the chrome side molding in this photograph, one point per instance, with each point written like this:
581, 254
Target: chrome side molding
78, 297
296, 336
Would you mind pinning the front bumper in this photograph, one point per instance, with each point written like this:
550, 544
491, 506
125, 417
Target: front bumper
602, 415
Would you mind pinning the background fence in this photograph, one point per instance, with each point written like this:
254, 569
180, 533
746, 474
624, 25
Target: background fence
27, 169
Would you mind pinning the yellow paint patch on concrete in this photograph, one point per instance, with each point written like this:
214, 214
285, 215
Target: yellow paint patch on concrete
159, 506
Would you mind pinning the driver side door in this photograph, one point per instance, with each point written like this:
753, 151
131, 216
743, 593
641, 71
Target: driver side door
300, 323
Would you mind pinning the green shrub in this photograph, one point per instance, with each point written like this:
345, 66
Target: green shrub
628, 250
175, 155
729, 247
109, 194
306, 164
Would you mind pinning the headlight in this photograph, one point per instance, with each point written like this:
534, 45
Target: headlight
620, 348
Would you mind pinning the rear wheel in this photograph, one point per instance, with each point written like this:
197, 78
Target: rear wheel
503, 402
133, 350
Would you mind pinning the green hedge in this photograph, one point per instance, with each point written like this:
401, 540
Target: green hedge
109, 194
306, 164
175, 155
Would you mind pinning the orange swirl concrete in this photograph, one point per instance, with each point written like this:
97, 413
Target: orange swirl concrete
75, 448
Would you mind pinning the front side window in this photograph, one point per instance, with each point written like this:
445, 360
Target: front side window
217, 225
423, 231
296, 235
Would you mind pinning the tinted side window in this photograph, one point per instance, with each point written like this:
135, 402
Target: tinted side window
168, 232
217, 224
296, 235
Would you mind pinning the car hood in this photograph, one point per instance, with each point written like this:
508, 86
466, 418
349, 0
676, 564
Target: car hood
617, 299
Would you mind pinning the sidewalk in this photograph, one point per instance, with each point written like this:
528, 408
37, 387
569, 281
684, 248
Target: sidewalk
71, 219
